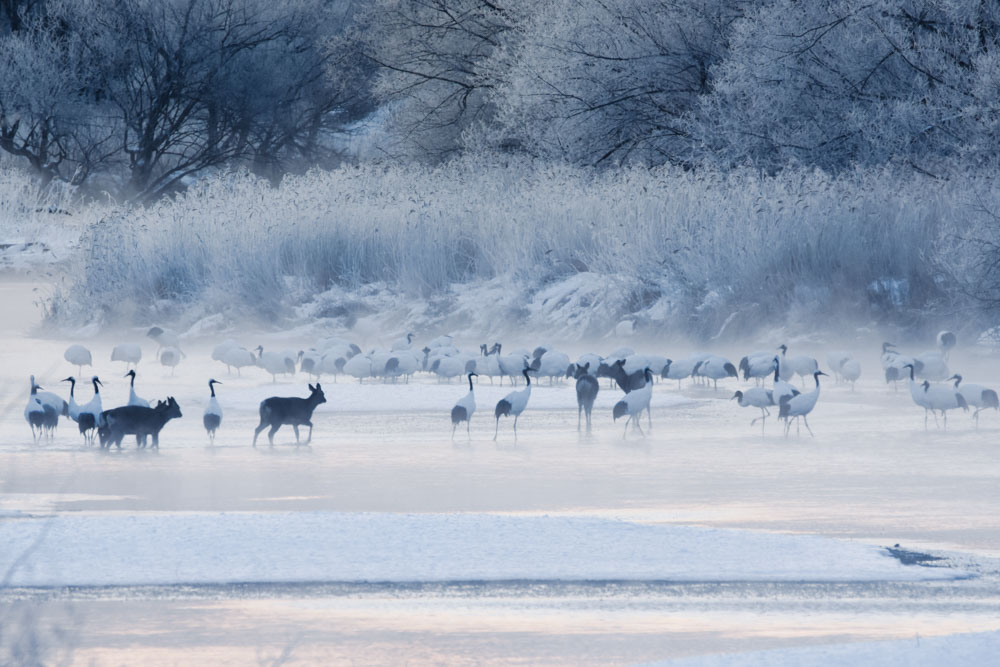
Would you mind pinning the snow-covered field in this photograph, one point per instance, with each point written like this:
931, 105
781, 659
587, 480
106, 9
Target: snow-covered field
388, 542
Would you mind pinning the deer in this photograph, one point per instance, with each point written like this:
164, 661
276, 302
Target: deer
278, 411
587, 387
136, 420
616, 371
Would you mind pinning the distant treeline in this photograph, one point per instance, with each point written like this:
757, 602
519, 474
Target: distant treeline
137, 96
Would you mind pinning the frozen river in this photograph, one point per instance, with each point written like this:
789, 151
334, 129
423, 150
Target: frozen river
872, 477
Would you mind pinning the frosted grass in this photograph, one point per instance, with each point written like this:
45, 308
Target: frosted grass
689, 252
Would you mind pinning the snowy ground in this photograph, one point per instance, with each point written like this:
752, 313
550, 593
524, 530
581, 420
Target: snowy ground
969, 649
557, 548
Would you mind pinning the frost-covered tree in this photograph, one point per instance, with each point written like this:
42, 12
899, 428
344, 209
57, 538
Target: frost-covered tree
846, 82
595, 82
14, 13
175, 87
431, 56
49, 114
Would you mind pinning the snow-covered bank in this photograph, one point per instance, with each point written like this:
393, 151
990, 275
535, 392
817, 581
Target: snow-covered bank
115, 549
980, 648
39, 228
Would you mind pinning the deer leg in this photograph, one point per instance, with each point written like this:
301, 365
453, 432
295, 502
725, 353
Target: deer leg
310, 438
156, 440
256, 432
579, 410
270, 434
295, 427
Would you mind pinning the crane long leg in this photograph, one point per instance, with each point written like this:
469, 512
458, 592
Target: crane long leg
468, 428
497, 430
807, 426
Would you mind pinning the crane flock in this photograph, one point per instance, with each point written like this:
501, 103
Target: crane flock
772, 371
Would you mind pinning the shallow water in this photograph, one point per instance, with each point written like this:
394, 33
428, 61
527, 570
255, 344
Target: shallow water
872, 473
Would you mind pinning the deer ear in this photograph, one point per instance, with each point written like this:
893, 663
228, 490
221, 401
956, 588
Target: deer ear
312, 388
317, 385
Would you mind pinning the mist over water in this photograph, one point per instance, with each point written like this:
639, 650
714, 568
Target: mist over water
872, 474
